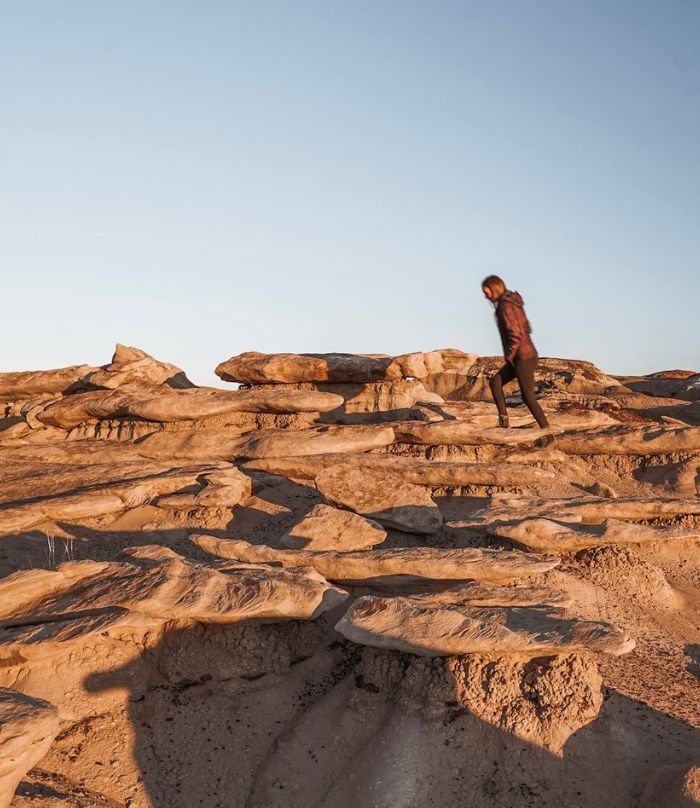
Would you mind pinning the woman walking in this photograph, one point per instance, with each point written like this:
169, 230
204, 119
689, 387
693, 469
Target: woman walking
518, 350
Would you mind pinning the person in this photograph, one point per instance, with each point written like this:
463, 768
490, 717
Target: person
518, 350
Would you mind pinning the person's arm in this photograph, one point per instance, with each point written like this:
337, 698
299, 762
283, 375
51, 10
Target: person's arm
512, 318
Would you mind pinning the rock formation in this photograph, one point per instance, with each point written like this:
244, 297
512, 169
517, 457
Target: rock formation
344, 578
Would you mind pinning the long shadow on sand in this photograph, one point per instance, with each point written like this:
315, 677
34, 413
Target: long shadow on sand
287, 716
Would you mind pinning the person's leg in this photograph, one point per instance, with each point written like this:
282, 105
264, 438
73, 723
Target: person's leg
525, 370
505, 374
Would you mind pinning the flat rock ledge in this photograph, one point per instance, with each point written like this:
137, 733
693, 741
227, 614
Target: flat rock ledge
385, 498
86, 597
329, 528
225, 444
447, 629
391, 566
413, 470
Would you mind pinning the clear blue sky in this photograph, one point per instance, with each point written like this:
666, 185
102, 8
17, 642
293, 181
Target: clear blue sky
204, 178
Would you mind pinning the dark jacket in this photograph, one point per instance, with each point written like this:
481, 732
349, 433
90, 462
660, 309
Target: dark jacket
514, 327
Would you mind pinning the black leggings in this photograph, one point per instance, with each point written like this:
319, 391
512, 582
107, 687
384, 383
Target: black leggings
524, 371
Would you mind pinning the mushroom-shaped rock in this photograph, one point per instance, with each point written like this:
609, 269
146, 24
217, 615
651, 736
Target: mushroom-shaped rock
27, 729
387, 499
449, 629
328, 528
258, 368
392, 566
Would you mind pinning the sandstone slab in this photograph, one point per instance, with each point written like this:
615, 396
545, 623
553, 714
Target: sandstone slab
463, 433
33, 383
168, 406
409, 564
227, 444
166, 588
258, 368
386, 499
328, 528
588, 510
28, 727
411, 625
632, 440
550, 536
414, 470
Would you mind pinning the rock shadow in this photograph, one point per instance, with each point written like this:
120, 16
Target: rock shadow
288, 715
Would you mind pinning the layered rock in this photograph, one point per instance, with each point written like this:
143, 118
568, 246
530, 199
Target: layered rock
99, 500
589, 510
166, 588
257, 368
397, 396
132, 365
435, 628
28, 727
423, 563
549, 536
413, 470
471, 382
328, 528
227, 444
155, 404
32, 383
463, 433
386, 499
629, 440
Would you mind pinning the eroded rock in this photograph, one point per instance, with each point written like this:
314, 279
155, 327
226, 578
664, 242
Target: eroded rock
166, 588
225, 444
435, 628
387, 499
409, 564
328, 528
27, 729
413, 470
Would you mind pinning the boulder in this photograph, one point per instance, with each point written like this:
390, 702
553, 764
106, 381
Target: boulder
392, 566
328, 528
450, 629
27, 729
387, 499
222, 489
